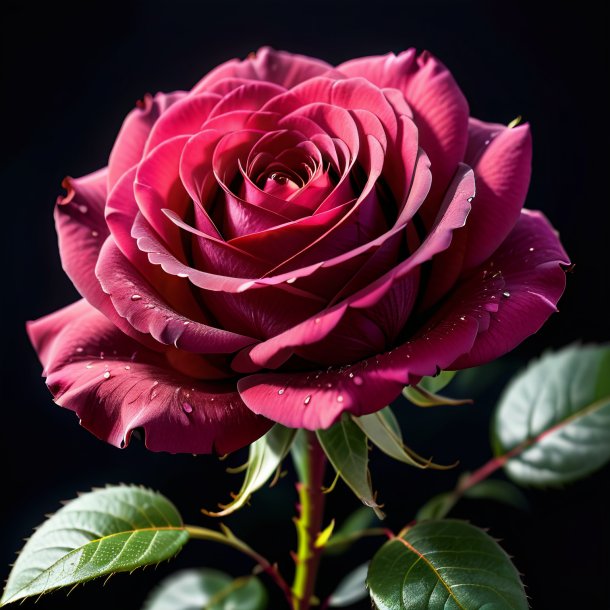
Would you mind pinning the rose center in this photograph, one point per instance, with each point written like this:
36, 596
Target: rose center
280, 184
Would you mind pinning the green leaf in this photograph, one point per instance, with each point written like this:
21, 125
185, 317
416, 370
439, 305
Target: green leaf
117, 529
442, 565
207, 590
500, 491
266, 455
351, 589
421, 397
554, 418
383, 430
438, 382
346, 447
357, 522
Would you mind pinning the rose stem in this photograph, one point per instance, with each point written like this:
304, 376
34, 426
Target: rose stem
202, 533
309, 523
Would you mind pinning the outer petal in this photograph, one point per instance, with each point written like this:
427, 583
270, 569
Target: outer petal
267, 65
529, 261
129, 145
317, 399
439, 108
501, 159
116, 386
81, 228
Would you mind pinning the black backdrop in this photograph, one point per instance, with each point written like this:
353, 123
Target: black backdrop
70, 74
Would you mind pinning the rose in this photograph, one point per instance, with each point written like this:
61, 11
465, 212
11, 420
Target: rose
295, 241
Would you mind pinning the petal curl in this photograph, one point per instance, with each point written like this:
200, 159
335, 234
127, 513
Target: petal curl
129, 145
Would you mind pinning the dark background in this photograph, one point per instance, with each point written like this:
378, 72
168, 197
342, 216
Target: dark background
69, 75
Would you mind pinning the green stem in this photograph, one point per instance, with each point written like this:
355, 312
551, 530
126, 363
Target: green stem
309, 522
227, 538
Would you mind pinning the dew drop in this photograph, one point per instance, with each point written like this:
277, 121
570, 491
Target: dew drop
462, 318
531, 249
135, 297
183, 274
186, 322
358, 380
292, 280
79, 350
186, 407
127, 367
340, 398
94, 234
106, 375
487, 142
329, 385
470, 199
83, 209
307, 399
351, 375
89, 366
318, 320
281, 391
506, 294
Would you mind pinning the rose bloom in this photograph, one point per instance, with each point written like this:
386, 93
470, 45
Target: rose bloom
290, 241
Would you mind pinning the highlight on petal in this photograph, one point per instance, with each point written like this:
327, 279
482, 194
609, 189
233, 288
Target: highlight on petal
116, 386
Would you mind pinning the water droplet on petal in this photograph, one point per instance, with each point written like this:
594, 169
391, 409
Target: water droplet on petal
94, 234
281, 391
186, 407
135, 297
340, 398
83, 209
531, 249
89, 366
106, 375
462, 317
506, 294
358, 380
292, 280
79, 350
470, 199
183, 274
318, 320
307, 399
127, 367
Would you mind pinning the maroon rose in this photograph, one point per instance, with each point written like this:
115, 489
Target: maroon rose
289, 241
